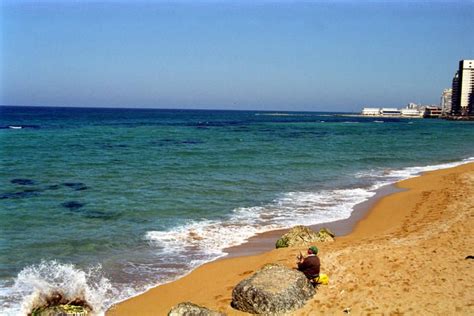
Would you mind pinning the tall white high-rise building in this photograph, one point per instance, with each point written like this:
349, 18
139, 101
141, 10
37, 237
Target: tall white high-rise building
446, 99
463, 89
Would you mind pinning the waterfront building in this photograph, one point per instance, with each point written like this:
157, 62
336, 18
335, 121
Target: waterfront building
371, 111
446, 98
390, 112
432, 111
411, 112
463, 90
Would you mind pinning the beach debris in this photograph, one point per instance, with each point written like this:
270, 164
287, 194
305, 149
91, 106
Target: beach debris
469, 257
274, 289
347, 310
57, 305
302, 235
190, 309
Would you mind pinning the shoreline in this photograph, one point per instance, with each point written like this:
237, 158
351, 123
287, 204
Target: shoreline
265, 241
233, 268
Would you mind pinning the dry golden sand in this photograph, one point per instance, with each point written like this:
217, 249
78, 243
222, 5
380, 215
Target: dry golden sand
406, 257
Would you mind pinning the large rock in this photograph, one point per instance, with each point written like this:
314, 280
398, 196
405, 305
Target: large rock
55, 304
274, 289
190, 309
61, 310
303, 236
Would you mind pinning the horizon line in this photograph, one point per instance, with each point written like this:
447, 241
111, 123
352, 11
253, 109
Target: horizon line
164, 108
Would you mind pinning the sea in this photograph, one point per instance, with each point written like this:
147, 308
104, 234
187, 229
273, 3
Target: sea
106, 203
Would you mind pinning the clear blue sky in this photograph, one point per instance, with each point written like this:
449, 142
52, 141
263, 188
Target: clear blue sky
273, 55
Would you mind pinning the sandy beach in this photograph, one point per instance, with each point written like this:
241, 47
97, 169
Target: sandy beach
406, 256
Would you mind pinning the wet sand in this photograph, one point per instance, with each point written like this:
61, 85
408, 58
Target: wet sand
405, 256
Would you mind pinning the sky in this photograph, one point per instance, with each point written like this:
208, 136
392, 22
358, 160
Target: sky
260, 55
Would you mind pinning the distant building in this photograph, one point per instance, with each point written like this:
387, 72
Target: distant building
463, 90
371, 111
412, 105
411, 112
390, 112
446, 101
432, 111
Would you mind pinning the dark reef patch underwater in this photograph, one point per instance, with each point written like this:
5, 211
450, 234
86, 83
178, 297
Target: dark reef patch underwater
72, 205
26, 193
23, 181
31, 191
78, 186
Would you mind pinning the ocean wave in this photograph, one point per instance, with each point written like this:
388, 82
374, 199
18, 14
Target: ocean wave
410, 172
293, 208
212, 237
36, 283
383, 177
16, 127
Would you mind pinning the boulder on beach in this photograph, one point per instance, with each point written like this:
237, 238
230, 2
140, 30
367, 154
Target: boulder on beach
325, 234
302, 236
190, 309
274, 289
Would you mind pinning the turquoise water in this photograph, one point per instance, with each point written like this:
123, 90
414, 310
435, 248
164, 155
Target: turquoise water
120, 200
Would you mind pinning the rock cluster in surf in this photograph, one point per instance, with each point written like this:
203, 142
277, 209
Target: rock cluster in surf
57, 304
302, 236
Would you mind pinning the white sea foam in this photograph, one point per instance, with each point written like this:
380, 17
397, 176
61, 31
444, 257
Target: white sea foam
34, 284
387, 176
409, 172
293, 208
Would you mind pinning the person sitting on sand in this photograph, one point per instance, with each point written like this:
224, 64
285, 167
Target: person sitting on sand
310, 264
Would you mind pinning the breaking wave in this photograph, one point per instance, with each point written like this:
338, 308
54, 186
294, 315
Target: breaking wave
35, 284
387, 176
294, 208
